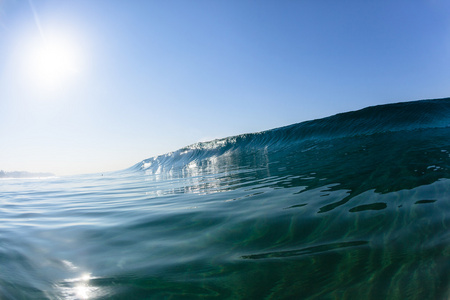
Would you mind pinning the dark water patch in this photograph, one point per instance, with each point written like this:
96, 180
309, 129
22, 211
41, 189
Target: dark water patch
365, 207
305, 251
297, 205
424, 201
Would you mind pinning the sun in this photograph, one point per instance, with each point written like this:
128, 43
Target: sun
53, 62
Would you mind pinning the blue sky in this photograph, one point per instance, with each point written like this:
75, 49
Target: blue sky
148, 77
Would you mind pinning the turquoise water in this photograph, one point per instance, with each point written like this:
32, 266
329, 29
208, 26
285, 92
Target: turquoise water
354, 206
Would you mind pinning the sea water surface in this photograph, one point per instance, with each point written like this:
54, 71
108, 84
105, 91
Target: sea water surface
353, 206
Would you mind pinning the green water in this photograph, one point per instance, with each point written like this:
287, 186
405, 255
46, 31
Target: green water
362, 216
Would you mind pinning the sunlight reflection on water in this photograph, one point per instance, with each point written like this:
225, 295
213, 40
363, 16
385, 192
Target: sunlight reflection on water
80, 287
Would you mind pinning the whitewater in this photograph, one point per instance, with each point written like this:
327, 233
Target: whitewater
352, 206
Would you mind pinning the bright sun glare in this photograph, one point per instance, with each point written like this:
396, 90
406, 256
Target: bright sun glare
50, 55
52, 62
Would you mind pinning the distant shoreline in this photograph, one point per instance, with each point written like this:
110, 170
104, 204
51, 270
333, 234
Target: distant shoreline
24, 174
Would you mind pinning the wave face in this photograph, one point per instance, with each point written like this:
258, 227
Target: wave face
353, 206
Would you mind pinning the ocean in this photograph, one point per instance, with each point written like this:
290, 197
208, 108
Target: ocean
352, 206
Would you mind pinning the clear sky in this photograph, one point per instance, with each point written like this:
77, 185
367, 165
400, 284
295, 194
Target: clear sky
94, 86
